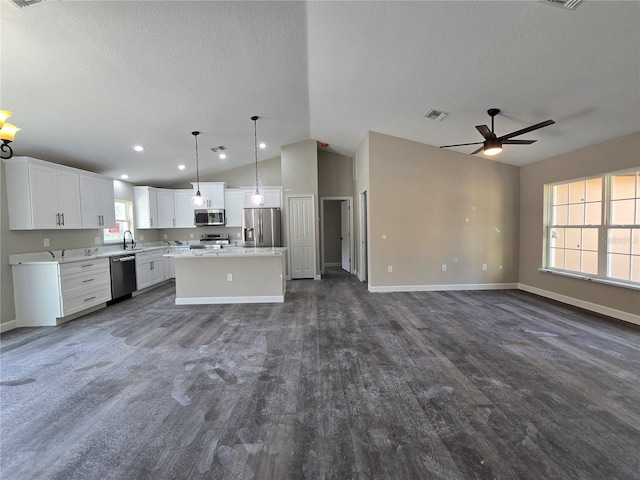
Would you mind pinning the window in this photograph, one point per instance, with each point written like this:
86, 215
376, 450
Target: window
581, 212
124, 222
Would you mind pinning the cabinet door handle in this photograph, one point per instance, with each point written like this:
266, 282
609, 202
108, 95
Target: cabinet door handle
87, 265
57, 219
151, 220
90, 280
151, 265
62, 215
90, 298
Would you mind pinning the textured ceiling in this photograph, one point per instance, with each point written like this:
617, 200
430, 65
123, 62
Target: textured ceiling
88, 80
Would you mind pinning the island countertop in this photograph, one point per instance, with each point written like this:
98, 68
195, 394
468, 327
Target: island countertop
229, 252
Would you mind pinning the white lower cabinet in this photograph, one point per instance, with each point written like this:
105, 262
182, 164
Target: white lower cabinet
48, 294
149, 269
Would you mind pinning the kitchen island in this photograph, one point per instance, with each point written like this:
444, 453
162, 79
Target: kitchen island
230, 275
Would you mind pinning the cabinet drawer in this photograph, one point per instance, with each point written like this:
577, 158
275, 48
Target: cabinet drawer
75, 284
84, 266
87, 299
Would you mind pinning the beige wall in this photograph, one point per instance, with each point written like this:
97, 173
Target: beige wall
360, 185
430, 207
335, 175
269, 174
618, 154
299, 162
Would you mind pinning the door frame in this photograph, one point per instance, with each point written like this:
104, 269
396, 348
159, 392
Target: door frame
289, 276
351, 239
363, 230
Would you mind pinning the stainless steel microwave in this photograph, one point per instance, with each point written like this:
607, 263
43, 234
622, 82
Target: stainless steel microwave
208, 216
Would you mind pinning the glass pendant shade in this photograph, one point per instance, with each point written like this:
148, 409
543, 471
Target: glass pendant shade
257, 198
197, 200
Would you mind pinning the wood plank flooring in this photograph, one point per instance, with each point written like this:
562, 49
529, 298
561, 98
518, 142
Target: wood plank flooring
336, 383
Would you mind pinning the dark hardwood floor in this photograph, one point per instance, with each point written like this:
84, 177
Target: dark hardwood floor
336, 383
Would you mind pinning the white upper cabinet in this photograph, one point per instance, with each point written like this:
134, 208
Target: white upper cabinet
166, 209
146, 207
213, 192
183, 208
97, 202
42, 195
233, 203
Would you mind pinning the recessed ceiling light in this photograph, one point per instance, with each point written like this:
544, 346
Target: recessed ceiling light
124, 177
138, 148
222, 156
181, 167
263, 145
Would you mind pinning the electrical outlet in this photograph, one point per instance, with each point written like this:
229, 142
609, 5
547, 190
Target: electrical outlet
390, 268
484, 266
141, 237
238, 235
229, 277
444, 267
97, 240
191, 235
46, 242
164, 236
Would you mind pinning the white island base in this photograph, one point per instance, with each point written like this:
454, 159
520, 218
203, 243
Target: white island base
244, 275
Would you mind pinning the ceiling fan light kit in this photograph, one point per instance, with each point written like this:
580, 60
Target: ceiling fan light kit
492, 144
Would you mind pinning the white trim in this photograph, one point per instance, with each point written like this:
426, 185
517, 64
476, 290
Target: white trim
438, 288
594, 307
6, 326
318, 277
225, 300
579, 276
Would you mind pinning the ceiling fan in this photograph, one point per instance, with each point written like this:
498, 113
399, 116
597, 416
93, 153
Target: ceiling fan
492, 144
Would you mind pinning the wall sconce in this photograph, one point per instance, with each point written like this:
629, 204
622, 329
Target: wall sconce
7, 134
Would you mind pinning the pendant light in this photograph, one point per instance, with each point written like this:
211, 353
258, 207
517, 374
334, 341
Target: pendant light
197, 200
257, 198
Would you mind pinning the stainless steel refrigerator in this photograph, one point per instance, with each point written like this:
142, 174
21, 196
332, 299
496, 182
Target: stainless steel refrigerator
261, 227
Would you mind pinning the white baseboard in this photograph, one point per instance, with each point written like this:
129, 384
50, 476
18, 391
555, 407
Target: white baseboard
6, 326
439, 288
594, 307
225, 300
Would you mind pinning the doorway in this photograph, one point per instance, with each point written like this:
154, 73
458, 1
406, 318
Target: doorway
336, 226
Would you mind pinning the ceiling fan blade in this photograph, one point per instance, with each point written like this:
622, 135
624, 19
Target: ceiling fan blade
477, 151
461, 144
526, 130
518, 142
484, 131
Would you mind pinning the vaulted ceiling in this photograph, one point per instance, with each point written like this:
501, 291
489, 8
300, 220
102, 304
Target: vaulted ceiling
88, 80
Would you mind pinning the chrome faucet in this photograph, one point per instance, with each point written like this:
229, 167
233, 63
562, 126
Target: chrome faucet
124, 239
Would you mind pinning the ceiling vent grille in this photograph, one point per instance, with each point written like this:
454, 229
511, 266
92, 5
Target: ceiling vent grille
435, 115
567, 4
219, 148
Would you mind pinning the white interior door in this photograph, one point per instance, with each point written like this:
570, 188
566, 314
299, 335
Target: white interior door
345, 236
301, 237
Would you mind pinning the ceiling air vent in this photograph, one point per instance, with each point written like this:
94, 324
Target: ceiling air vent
435, 115
219, 148
568, 4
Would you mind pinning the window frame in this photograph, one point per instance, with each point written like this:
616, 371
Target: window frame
129, 219
604, 229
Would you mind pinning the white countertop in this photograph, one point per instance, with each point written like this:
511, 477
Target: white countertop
229, 252
82, 254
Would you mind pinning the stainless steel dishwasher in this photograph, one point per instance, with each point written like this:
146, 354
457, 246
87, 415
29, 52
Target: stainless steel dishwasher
123, 276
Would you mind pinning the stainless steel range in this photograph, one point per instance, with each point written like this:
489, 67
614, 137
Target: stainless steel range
213, 240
